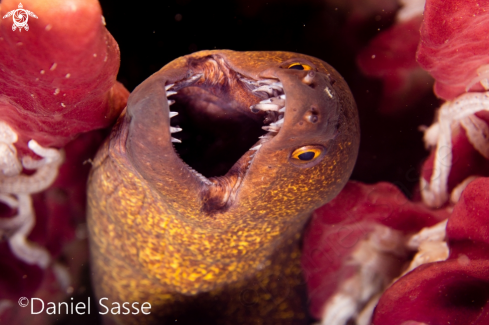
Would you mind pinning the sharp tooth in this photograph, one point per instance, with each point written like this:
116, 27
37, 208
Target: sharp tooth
171, 102
173, 129
170, 93
277, 86
251, 82
277, 101
282, 96
176, 140
267, 81
282, 110
197, 76
256, 147
270, 128
266, 136
265, 107
279, 123
266, 89
274, 100
169, 86
270, 88
172, 114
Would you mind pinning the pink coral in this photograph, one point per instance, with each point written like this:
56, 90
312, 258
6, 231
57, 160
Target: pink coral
361, 215
454, 291
454, 51
356, 269
57, 81
454, 44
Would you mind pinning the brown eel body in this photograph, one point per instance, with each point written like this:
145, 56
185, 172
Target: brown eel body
223, 247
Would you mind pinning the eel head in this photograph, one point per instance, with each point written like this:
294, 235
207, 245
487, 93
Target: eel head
222, 135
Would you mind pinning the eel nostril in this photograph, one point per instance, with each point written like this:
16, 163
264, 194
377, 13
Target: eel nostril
313, 118
309, 77
312, 115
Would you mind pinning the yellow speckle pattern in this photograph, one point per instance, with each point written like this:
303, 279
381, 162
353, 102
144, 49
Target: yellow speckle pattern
150, 240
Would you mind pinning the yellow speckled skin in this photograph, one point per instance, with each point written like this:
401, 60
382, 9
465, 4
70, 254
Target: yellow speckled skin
151, 240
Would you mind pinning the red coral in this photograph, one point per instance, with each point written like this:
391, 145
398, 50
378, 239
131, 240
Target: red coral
337, 228
454, 44
454, 51
455, 291
58, 78
57, 81
465, 162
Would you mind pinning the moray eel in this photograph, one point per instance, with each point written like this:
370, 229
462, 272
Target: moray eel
199, 210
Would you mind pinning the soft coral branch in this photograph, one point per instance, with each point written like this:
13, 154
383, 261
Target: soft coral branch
454, 291
357, 244
58, 80
454, 44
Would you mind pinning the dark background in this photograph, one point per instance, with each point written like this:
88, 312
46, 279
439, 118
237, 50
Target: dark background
152, 33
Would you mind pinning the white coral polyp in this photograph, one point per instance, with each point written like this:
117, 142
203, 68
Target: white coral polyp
452, 114
375, 258
16, 190
9, 164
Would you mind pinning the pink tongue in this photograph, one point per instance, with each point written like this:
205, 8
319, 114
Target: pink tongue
58, 78
452, 48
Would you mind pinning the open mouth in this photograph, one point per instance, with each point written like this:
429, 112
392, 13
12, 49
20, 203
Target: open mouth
219, 116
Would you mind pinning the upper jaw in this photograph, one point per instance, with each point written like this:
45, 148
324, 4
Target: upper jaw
271, 91
270, 109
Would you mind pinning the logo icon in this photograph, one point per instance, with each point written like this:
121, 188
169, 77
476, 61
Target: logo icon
23, 302
20, 16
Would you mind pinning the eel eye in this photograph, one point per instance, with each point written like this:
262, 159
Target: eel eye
306, 154
299, 66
